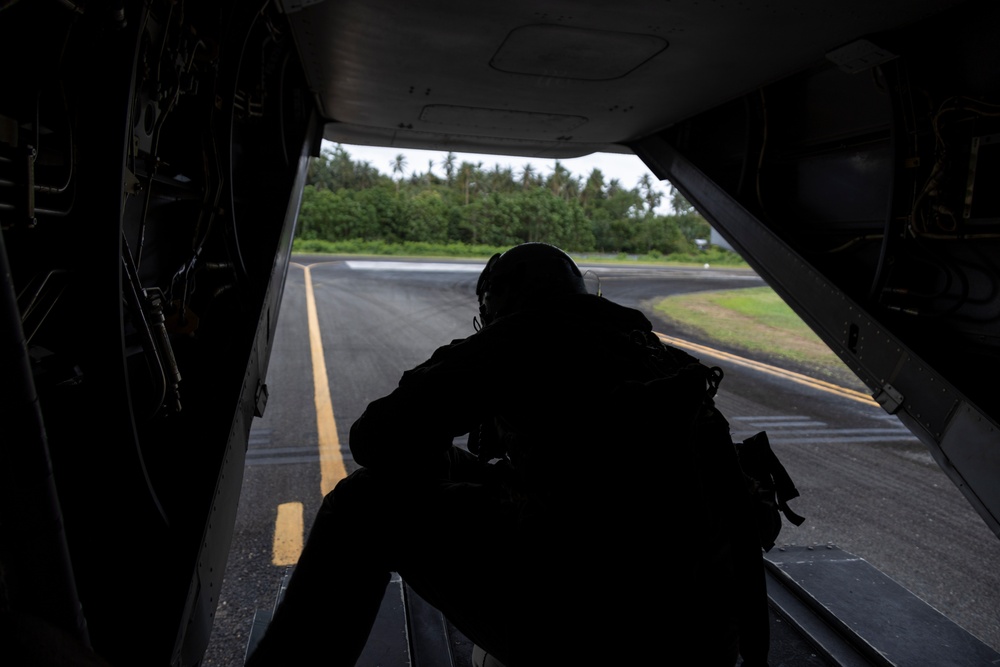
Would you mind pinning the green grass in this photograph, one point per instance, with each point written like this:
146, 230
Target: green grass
756, 321
763, 306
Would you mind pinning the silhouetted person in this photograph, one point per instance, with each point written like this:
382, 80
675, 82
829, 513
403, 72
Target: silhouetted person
576, 530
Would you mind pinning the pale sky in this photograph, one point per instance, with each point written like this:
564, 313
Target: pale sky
628, 169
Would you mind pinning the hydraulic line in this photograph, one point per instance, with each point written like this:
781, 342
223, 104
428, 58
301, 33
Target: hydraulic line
34, 552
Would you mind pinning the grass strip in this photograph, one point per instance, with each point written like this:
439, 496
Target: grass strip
756, 321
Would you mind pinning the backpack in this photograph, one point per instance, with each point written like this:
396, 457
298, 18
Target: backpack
739, 491
718, 505
770, 486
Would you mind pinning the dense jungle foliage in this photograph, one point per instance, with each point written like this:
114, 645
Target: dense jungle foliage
351, 204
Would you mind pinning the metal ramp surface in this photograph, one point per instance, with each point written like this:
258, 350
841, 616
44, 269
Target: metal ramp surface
829, 608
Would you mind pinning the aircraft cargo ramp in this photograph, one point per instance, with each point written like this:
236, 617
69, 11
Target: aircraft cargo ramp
829, 608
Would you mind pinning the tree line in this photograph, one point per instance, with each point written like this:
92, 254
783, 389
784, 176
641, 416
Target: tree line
460, 202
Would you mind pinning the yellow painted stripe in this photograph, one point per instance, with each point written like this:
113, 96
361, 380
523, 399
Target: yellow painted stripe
288, 532
331, 462
772, 370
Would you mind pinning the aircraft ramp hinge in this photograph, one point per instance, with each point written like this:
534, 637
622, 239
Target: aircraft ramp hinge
260, 400
889, 398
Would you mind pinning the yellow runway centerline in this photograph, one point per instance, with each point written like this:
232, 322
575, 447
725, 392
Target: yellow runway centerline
288, 533
289, 529
331, 463
772, 370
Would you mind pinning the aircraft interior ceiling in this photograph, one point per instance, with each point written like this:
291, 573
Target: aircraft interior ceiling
848, 149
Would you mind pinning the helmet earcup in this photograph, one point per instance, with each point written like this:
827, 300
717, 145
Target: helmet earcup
486, 309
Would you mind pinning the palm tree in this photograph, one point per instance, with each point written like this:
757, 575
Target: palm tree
558, 179
468, 173
500, 179
527, 175
571, 189
649, 193
398, 166
366, 174
449, 167
594, 188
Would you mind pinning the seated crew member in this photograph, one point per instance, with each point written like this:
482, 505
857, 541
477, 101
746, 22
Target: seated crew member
552, 539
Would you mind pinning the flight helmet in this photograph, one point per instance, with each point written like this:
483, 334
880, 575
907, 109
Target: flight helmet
526, 275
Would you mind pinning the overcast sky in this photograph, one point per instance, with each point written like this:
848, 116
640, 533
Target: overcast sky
628, 169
